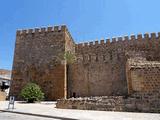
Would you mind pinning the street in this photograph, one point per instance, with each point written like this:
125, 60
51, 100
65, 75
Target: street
48, 111
14, 116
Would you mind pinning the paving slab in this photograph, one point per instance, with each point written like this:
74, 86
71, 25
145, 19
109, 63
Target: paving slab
13, 116
49, 109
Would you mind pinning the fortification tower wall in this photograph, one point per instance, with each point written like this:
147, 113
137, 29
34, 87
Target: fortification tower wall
100, 68
143, 76
36, 59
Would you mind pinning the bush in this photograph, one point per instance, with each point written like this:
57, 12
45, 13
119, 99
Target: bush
32, 92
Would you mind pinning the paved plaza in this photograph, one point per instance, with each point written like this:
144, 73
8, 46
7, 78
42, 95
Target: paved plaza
47, 111
13, 116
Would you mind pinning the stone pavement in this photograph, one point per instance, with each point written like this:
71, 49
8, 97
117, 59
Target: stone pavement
48, 110
13, 116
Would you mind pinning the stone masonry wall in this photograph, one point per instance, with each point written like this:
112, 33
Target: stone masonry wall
36, 59
2, 96
100, 68
104, 103
94, 69
143, 76
137, 103
69, 47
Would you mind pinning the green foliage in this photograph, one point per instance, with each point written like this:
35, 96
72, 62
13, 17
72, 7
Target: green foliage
32, 92
68, 56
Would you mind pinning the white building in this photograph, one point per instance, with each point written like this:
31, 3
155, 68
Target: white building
5, 84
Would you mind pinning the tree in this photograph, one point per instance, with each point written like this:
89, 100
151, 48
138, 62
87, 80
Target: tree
32, 92
70, 58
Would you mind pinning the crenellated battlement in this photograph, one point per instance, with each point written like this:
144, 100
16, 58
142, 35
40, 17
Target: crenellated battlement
139, 37
100, 67
61, 28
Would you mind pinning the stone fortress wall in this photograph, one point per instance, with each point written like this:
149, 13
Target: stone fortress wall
100, 68
143, 76
36, 60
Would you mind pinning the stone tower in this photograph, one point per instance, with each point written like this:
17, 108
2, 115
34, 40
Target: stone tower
102, 68
37, 60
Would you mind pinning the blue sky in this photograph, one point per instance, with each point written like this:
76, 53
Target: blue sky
87, 20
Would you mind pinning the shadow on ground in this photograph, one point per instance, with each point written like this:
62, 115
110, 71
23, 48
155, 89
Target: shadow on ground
38, 115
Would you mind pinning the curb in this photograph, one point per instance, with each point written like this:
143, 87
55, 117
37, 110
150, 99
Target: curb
38, 115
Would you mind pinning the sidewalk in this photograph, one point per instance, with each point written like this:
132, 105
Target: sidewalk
47, 109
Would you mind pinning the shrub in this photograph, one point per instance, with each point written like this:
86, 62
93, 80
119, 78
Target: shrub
32, 92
